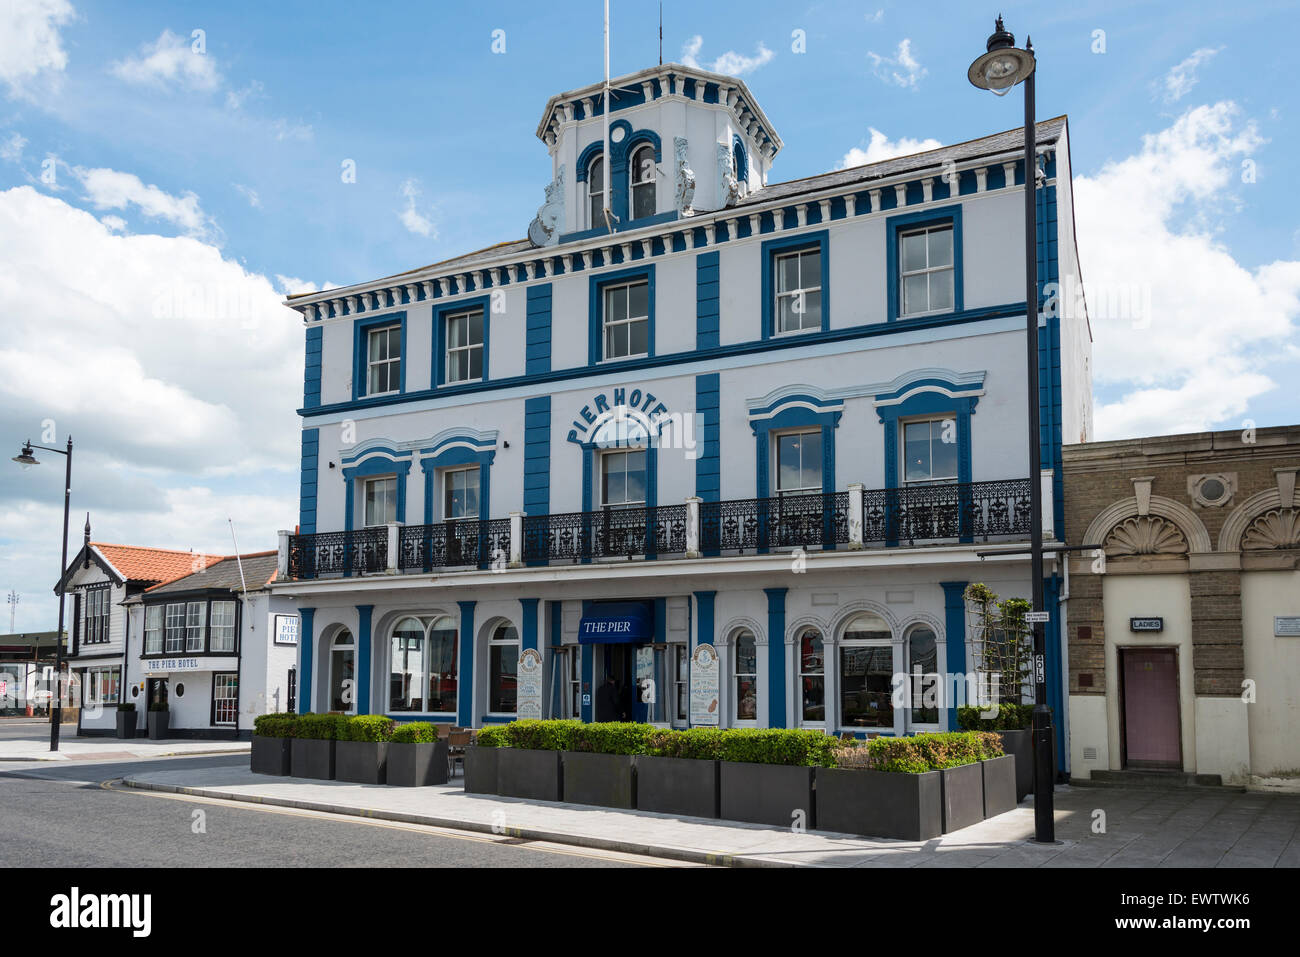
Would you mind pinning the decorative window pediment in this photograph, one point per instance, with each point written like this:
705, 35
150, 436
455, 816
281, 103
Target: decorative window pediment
1146, 535
1276, 528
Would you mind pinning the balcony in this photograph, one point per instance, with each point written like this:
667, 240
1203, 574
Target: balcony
857, 518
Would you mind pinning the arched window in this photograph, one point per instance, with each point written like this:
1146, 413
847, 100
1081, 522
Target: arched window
922, 673
503, 667
643, 173
742, 165
812, 677
596, 191
866, 673
422, 666
406, 667
745, 675
343, 679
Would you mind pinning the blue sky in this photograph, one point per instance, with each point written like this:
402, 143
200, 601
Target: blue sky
219, 171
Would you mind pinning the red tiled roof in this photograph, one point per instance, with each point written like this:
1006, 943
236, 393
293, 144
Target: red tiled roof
136, 563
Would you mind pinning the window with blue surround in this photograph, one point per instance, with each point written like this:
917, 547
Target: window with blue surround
626, 182
457, 473
796, 285
461, 342
924, 263
620, 476
379, 354
622, 311
375, 483
795, 457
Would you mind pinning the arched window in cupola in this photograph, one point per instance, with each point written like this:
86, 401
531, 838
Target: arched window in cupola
596, 191
643, 173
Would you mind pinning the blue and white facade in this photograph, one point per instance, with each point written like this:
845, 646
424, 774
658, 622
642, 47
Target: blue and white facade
778, 418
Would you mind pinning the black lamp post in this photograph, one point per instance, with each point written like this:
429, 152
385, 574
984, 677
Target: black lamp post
998, 70
26, 459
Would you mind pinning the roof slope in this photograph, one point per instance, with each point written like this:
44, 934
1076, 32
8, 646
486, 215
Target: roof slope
136, 563
259, 568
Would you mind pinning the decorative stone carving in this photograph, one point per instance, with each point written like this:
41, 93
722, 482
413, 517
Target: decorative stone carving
1146, 535
685, 179
1276, 528
729, 187
545, 229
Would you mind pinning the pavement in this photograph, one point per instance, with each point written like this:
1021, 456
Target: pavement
28, 739
1096, 828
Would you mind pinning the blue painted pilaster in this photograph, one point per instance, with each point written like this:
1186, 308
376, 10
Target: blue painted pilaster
954, 626
704, 630
365, 614
776, 657
306, 645
528, 633
465, 695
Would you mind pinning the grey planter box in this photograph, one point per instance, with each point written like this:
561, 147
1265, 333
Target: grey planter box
271, 756
605, 780
126, 724
312, 758
417, 765
683, 786
880, 803
999, 785
536, 775
361, 762
963, 796
767, 793
481, 770
1020, 744
158, 721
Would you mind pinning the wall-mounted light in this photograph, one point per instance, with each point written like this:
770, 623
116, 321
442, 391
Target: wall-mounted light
505, 445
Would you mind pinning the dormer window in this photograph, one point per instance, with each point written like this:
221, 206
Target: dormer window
596, 191
643, 175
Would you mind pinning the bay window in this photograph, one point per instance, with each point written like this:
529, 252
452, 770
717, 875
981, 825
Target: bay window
175, 628
195, 625
153, 629
223, 626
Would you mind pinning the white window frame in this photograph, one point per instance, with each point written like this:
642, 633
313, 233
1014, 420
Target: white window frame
502, 627
153, 632
468, 349
394, 363
95, 683
366, 485
574, 680
845, 642
232, 709
223, 640
607, 456
447, 480
196, 631
174, 628
776, 463
737, 674
912, 689
98, 615
679, 679
650, 183
606, 324
801, 290
337, 646
932, 420
597, 217
801, 674
928, 271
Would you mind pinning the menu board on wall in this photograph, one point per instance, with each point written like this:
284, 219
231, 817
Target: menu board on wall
529, 701
704, 686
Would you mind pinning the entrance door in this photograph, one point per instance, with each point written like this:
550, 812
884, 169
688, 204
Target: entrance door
1152, 733
157, 693
619, 666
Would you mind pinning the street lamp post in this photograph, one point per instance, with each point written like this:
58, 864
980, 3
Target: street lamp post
26, 459
998, 70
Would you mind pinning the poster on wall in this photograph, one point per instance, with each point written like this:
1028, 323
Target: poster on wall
286, 629
704, 686
529, 701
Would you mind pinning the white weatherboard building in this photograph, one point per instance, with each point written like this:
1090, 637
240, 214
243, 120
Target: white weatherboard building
780, 419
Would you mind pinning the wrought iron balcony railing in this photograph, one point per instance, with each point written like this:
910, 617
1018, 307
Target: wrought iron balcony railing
857, 519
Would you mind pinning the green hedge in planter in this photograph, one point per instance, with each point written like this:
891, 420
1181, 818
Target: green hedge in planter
126, 706
610, 737
276, 725
415, 732
533, 735
791, 747
367, 727
320, 727
700, 744
922, 752
1010, 717
492, 737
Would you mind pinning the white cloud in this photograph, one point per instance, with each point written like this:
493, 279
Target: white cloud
284, 130
1180, 80
114, 224
881, 147
415, 221
730, 63
902, 69
293, 286
249, 194
30, 45
111, 189
11, 148
170, 62
875, 17
235, 99
1215, 330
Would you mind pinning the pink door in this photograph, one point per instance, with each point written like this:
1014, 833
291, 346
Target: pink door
1152, 738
